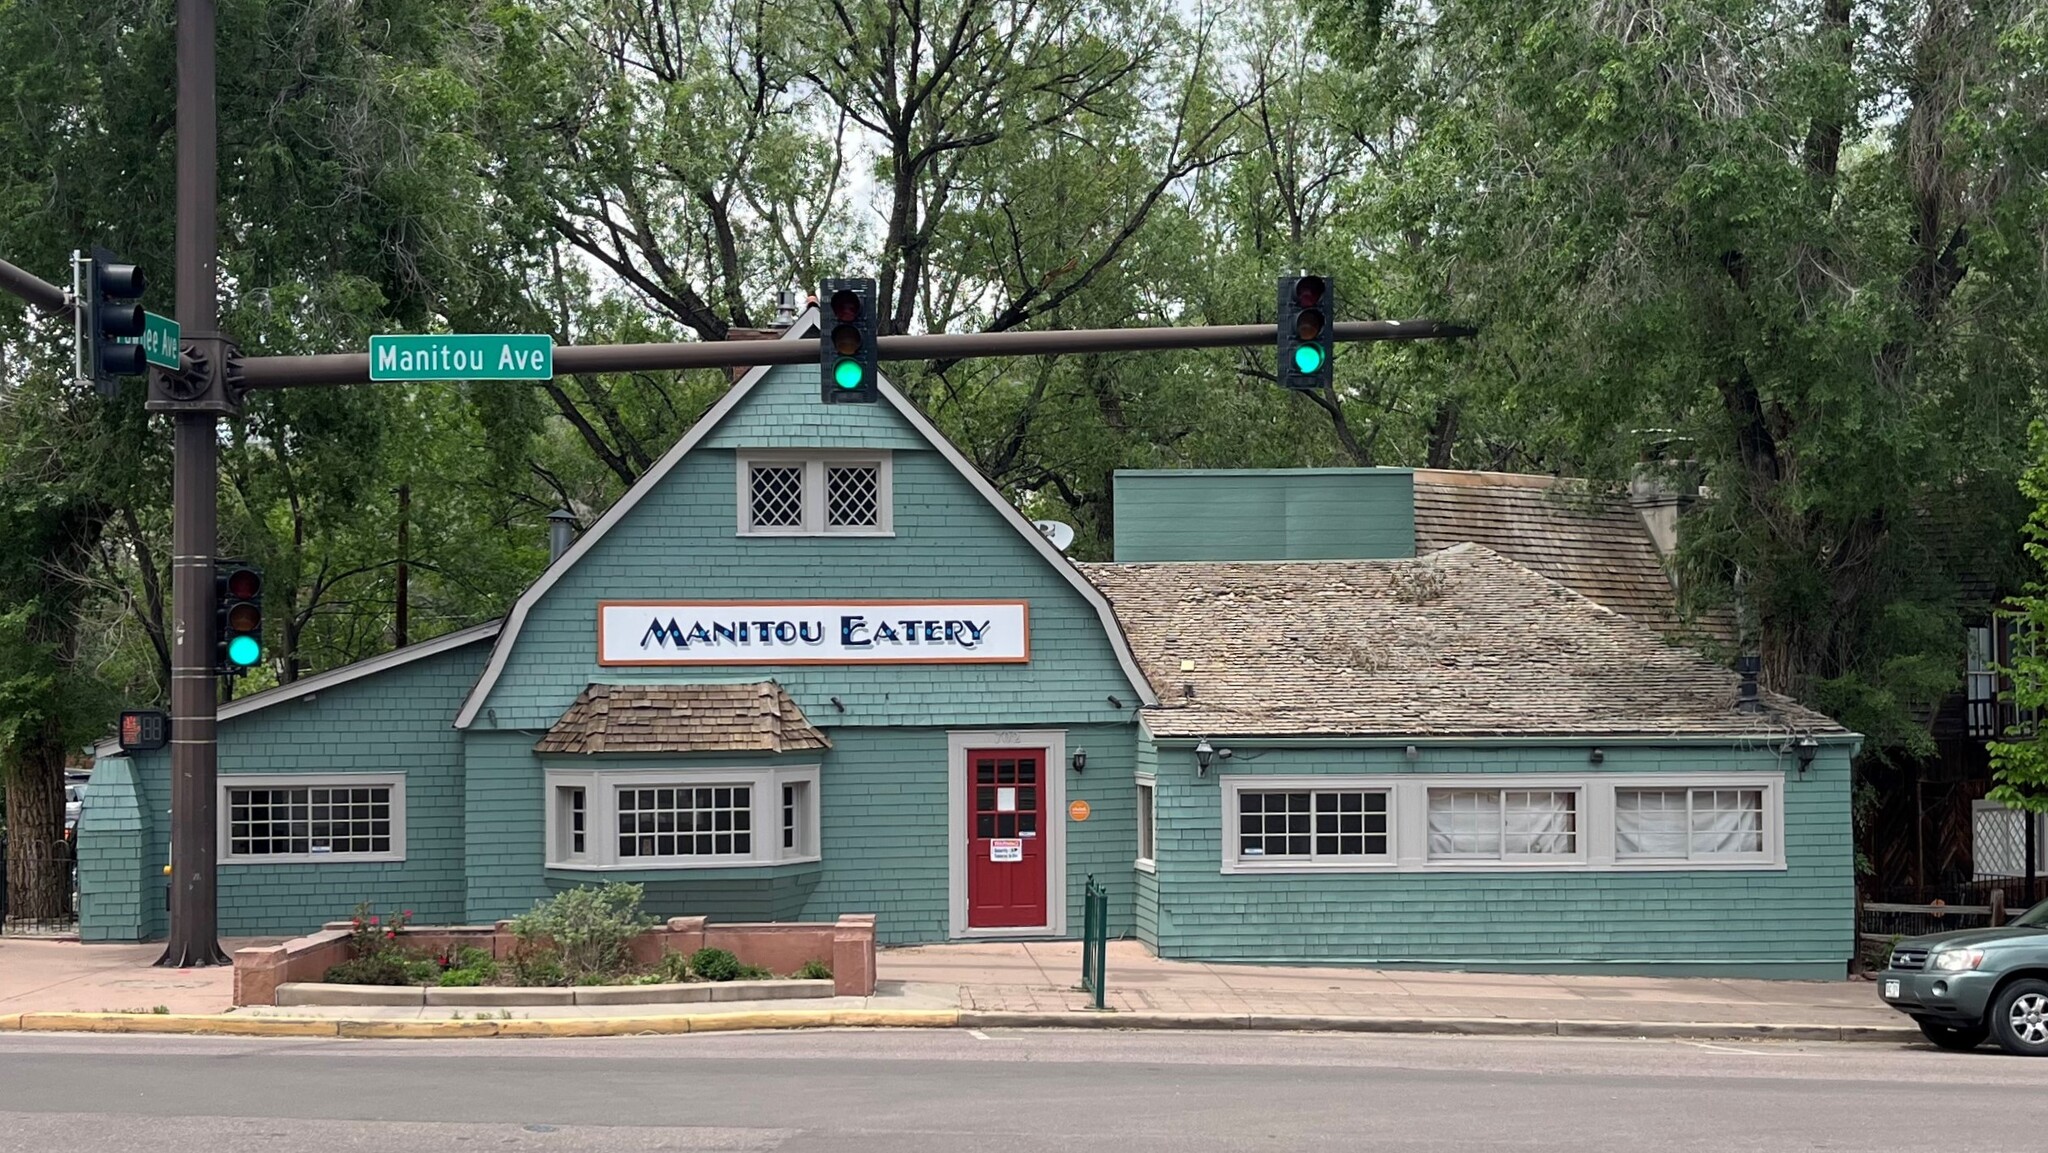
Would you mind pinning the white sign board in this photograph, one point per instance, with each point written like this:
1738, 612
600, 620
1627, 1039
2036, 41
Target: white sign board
813, 632
1007, 849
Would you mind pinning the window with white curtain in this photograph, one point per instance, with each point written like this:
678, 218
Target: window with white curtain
1503, 824
1688, 824
1474, 822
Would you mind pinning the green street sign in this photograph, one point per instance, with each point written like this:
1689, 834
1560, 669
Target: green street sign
516, 356
159, 340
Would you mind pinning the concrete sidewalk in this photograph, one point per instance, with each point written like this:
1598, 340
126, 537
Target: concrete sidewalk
1014, 983
1041, 977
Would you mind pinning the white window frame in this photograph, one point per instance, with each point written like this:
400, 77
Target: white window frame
814, 464
1236, 783
1503, 856
1761, 857
1148, 824
601, 815
230, 781
1408, 824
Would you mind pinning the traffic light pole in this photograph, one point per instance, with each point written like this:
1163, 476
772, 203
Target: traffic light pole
195, 485
213, 374
354, 368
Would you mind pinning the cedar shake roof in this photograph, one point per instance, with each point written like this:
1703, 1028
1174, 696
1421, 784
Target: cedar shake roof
743, 718
1464, 642
1593, 541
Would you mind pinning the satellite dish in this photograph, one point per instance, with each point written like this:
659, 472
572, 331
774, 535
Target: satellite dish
1061, 535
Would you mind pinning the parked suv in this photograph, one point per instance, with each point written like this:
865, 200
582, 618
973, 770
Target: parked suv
1963, 986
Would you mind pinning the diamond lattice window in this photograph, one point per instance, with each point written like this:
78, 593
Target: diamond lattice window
852, 496
778, 496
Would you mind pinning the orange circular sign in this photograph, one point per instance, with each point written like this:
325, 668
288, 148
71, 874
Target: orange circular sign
1078, 810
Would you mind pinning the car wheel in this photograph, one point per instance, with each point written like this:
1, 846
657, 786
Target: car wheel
2019, 1020
1960, 1038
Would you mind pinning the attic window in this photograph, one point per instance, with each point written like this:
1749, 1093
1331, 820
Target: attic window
814, 494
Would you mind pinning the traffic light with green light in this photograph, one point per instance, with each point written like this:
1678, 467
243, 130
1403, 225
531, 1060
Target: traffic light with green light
110, 321
238, 617
1308, 305
846, 342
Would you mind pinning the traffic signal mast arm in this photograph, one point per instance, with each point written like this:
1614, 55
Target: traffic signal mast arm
354, 368
34, 289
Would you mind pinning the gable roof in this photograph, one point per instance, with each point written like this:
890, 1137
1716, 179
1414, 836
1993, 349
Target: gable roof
308, 685
1464, 642
713, 718
805, 327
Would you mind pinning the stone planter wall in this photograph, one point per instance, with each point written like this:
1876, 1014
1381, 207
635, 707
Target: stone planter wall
848, 946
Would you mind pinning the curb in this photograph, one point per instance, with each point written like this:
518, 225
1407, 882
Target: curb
232, 1026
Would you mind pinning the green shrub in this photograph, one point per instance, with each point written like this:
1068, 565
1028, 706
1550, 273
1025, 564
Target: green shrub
537, 967
588, 931
466, 978
672, 969
715, 965
813, 970
756, 973
385, 968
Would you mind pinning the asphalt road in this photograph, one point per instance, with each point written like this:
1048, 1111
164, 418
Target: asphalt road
1045, 1092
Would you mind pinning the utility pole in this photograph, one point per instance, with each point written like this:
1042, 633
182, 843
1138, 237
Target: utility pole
194, 928
402, 611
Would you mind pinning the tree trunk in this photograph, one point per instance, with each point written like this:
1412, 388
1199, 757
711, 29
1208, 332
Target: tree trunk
38, 860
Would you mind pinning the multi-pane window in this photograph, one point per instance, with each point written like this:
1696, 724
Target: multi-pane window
1147, 833
1503, 824
777, 493
638, 819
827, 494
708, 821
1688, 824
1314, 824
1473, 822
312, 821
852, 495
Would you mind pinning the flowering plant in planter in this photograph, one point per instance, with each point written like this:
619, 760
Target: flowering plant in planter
375, 956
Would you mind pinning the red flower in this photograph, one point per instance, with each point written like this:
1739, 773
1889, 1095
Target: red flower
408, 912
391, 933
373, 920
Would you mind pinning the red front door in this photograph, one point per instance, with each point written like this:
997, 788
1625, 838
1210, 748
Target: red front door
1006, 838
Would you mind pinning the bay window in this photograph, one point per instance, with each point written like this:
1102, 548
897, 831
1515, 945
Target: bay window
670, 819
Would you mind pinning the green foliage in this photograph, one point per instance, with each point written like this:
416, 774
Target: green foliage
586, 931
466, 966
385, 968
813, 970
672, 969
2020, 762
537, 966
715, 965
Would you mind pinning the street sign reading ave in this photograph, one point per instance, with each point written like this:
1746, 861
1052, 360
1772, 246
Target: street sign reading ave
159, 340
515, 356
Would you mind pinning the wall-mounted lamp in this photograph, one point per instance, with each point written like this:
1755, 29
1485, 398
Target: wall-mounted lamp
1206, 752
1807, 748
1597, 755
1411, 752
1080, 759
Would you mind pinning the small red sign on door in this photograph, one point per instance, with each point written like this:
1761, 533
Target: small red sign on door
1006, 856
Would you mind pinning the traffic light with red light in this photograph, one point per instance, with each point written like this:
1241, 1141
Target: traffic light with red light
846, 342
238, 617
1308, 307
